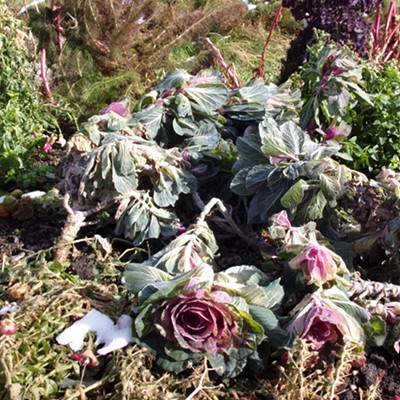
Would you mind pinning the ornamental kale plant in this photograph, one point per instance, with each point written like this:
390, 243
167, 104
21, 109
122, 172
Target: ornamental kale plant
114, 166
332, 86
281, 166
327, 318
302, 247
221, 316
182, 104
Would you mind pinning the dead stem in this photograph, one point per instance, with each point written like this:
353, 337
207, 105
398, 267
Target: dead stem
75, 221
200, 386
215, 202
361, 289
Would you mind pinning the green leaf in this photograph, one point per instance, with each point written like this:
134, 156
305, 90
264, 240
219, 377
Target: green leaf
151, 118
316, 206
330, 186
173, 80
266, 318
138, 276
274, 295
208, 96
376, 331
183, 107
294, 196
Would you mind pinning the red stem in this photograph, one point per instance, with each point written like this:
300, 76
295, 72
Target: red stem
377, 26
391, 11
260, 71
233, 78
46, 86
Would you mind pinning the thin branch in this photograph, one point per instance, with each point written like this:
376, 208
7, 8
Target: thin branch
260, 71
233, 78
44, 77
217, 203
200, 386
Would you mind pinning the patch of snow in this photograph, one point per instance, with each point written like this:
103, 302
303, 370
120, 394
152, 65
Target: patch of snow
34, 194
114, 336
9, 308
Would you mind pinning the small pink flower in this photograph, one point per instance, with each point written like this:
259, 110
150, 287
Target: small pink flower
282, 220
7, 327
317, 263
47, 147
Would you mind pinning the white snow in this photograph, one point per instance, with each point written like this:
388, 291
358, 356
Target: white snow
34, 194
9, 308
114, 336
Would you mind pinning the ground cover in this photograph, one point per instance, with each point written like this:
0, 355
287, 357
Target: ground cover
237, 237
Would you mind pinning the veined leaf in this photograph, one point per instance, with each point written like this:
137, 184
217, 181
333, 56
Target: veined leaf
330, 186
274, 295
173, 80
316, 206
138, 276
294, 196
209, 96
183, 107
249, 147
151, 118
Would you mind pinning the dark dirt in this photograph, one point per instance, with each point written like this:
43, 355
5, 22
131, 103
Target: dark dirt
382, 369
31, 235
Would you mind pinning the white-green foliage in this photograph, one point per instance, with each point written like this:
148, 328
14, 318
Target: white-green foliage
135, 173
281, 166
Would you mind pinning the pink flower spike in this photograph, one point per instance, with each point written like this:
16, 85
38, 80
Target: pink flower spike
7, 327
47, 147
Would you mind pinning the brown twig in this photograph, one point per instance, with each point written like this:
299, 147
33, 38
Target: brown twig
232, 77
260, 71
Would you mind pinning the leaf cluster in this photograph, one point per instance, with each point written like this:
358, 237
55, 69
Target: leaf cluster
281, 166
133, 173
253, 300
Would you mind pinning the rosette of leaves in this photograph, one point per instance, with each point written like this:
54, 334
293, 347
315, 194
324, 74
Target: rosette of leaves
330, 317
140, 179
252, 102
197, 314
185, 107
282, 167
332, 86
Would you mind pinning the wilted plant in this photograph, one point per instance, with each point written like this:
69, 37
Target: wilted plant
124, 171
